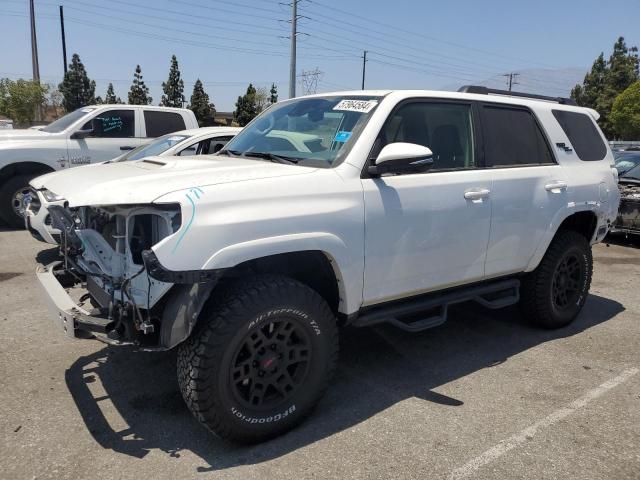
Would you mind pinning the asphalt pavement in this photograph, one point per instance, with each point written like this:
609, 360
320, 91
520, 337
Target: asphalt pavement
484, 396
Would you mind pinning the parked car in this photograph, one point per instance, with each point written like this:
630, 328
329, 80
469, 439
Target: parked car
197, 141
88, 135
628, 220
399, 204
626, 160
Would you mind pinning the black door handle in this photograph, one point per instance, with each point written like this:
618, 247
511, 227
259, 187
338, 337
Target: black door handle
126, 147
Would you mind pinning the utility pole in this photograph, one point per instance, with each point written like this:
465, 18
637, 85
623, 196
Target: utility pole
294, 34
364, 67
64, 41
511, 82
34, 55
34, 44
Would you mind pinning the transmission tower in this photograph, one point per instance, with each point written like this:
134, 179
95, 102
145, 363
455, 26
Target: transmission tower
309, 80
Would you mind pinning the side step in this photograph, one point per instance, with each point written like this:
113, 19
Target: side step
427, 311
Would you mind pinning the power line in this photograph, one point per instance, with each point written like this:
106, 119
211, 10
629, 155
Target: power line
422, 35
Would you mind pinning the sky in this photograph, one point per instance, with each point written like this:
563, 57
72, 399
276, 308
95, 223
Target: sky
410, 43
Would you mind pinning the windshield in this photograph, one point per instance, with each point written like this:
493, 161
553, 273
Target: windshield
158, 146
625, 161
317, 131
633, 173
65, 122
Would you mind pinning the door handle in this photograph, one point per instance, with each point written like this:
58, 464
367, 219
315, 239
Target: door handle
476, 193
556, 186
126, 147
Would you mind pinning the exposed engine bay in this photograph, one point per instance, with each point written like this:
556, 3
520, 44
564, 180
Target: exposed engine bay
628, 219
104, 269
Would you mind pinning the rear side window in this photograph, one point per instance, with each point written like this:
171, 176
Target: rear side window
512, 137
161, 123
583, 135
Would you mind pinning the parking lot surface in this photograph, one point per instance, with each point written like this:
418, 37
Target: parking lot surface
484, 396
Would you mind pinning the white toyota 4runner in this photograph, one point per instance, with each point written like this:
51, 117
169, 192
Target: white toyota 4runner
347, 208
88, 135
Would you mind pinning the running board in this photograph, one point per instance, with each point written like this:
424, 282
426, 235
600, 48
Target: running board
427, 311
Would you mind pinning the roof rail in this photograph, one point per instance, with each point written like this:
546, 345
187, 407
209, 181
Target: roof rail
479, 89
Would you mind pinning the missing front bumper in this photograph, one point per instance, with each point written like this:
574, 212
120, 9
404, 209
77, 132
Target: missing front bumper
67, 315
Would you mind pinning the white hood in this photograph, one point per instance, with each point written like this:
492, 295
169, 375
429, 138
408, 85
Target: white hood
22, 134
145, 180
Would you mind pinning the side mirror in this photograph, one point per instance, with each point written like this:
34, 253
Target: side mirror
402, 157
80, 134
97, 127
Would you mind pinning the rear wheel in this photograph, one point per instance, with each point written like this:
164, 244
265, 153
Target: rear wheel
12, 193
555, 292
261, 359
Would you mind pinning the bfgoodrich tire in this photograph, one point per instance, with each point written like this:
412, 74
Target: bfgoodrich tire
260, 360
10, 197
555, 292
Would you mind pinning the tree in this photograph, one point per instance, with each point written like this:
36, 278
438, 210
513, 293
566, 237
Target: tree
200, 105
139, 92
4, 96
246, 107
625, 113
606, 81
76, 88
20, 99
587, 94
262, 99
110, 98
55, 97
173, 88
274, 94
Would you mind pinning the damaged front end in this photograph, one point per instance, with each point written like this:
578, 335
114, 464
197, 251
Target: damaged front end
109, 284
628, 220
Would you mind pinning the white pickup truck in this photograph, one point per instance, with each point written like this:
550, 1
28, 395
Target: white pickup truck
88, 135
345, 208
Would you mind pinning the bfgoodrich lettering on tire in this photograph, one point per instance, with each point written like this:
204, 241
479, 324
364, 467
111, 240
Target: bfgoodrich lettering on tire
260, 360
555, 292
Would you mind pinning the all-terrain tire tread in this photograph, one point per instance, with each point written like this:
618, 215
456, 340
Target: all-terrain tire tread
200, 355
534, 303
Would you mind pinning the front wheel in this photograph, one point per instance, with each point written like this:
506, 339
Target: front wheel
260, 360
12, 193
555, 292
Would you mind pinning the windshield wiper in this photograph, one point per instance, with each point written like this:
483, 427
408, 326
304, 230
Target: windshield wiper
229, 153
272, 157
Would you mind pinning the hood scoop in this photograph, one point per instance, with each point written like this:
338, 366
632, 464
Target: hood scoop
149, 164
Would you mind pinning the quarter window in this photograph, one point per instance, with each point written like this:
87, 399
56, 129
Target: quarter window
582, 134
512, 137
115, 124
159, 123
445, 128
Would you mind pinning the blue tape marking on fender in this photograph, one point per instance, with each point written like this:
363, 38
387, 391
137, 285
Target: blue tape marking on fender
186, 229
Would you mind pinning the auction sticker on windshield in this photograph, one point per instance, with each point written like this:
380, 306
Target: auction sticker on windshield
362, 106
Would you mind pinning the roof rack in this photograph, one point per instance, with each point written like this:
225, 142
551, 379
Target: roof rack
479, 89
